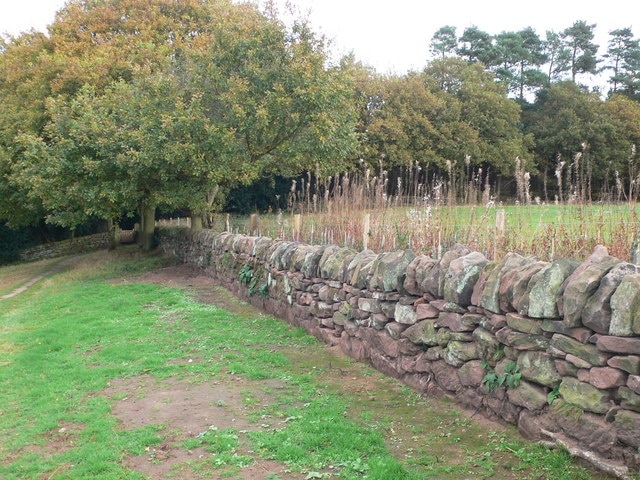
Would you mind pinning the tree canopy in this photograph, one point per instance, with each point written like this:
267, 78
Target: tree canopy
141, 104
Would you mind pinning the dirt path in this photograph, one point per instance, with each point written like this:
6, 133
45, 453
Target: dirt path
33, 280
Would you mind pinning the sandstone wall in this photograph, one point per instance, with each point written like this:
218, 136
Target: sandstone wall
67, 247
552, 347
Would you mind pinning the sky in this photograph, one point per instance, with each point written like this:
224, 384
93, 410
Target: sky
393, 36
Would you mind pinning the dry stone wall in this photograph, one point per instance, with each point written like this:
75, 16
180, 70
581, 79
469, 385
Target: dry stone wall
71, 246
552, 347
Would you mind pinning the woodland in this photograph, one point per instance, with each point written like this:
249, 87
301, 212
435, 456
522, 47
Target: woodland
125, 110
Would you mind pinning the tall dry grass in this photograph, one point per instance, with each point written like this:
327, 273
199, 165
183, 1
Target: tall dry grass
429, 213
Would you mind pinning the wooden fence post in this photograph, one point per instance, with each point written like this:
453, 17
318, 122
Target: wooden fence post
500, 222
366, 230
254, 224
297, 226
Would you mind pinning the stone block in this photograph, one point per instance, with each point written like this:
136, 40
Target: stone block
446, 376
607, 377
390, 271
471, 373
527, 395
565, 368
633, 382
591, 432
461, 277
625, 308
369, 305
628, 363
596, 314
417, 270
546, 287
514, 286
622, 345
587, 352
585, 396
627, 424
581, 286
521, 341
456, 353
578, 362
457, 322
405, 314
378, 320
490, 296
539, 367
524, 324
422, 333
395, 329
629, 399
426, 310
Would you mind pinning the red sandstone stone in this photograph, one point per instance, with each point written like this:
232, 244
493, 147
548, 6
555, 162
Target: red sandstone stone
633, 382
607, 377
619, 344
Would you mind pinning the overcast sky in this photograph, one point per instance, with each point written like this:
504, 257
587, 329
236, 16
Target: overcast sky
393, 35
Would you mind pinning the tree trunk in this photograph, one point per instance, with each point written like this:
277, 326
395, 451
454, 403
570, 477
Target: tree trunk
148, 227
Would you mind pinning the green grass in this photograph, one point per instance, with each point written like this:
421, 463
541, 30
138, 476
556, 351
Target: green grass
63, 341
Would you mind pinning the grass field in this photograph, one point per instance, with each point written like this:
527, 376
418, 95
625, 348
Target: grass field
70, 343
545, 231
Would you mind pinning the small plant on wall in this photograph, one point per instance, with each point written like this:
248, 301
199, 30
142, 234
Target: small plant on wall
246, 274
247, 277
511, 376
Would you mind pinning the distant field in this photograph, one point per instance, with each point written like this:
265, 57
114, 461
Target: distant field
545, 231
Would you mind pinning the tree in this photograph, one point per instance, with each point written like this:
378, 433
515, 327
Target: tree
578, 39
133, 147
623, 59
444, 42
25, 78
454, 112
570, 124
476, 45
623, 140
405, 129
521, 56
557, 54
205, 96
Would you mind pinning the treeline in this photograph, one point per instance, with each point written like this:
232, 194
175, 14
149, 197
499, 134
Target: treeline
506, 116
127, 107
526, 62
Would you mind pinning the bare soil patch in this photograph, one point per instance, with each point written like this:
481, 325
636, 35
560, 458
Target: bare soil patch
187, 410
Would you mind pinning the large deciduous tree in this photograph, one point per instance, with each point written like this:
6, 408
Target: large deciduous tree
169, 102
453, 112
580, 137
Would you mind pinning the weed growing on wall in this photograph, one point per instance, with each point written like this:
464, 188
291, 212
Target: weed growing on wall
510, 378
